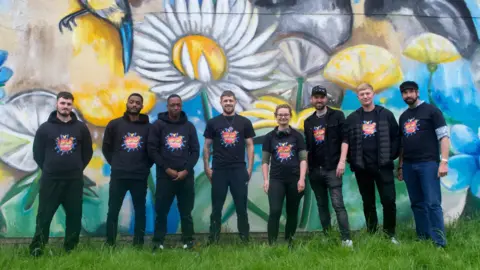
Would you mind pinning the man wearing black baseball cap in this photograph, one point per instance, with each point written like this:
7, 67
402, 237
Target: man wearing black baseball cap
423, 129
326, 160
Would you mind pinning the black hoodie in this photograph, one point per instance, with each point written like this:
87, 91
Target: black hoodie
62, 150
173, 144
124, 147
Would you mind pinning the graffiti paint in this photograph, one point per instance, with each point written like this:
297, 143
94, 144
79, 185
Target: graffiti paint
266, 52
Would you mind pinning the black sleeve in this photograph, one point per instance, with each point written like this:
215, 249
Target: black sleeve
87, 148
300, 143
394, 136
209, 132
345, 129
107, 145
194, 148
39, 142
342, 126
267, 143
154, 144
150, 160
308, 135
249, 131
438, 119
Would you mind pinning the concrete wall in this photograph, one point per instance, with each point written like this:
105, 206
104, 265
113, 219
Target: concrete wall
266, 51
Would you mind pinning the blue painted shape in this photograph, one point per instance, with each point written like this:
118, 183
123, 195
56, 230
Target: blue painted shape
464, 140
5, 74
150, 214
3, 56
126, 34
2, 93
462, 168
106, 170
475, 187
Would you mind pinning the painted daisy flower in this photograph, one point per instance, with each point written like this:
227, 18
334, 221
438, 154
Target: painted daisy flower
206, 49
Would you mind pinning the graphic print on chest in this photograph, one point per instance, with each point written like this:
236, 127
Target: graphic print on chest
410, 127
65, 144
229, 137
132, 142
284, 151
369, 128
319, 134
174, 142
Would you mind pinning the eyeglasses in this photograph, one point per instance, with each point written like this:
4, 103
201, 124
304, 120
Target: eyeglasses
283, 115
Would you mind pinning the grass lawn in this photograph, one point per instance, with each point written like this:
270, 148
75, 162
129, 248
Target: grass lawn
317, 252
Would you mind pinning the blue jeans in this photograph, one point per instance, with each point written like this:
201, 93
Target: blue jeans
423, 187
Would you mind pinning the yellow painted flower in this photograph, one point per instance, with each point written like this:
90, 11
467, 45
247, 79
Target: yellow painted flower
364, 64
430, 48
101, 103
264, 108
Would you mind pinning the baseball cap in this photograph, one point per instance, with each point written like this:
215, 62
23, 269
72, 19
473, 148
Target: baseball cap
408, 85
319, 90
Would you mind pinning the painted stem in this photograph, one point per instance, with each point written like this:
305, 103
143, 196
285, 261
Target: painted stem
431, 68
207, 111
298, 100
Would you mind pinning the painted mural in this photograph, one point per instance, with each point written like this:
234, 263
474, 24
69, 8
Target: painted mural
268, 52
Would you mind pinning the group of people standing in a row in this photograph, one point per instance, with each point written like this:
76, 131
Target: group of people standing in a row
370, 139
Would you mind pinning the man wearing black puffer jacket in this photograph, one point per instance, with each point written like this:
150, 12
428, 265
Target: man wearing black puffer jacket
373, 142
173, 145
124, 148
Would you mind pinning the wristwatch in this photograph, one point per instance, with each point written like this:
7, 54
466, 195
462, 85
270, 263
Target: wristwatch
444, 160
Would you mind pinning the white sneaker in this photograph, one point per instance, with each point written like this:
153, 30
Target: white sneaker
347, 243
394, 241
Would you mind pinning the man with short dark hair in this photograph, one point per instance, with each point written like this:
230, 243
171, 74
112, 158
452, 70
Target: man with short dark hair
423, 161
124, 148
229, 134
173, 145
62, 148
373, 143
326, 160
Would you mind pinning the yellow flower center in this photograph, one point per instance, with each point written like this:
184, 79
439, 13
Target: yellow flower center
197, 46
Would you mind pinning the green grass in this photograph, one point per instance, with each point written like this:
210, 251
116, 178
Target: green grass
313, 252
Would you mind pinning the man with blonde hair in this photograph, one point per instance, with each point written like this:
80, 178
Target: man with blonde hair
373, 141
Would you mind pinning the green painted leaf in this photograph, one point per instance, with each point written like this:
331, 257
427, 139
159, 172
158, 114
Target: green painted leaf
20, 186
151, 187
10, 142
202, 207
32, 193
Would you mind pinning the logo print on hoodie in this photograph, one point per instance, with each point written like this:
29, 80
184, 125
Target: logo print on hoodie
229, 137
132, 142
369, 128
174, 142
284, 151
319, 134
65, 144
410, 127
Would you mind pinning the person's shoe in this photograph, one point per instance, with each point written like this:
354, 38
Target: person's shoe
188, 245
36, 252
347, 243
291, 244
244, 239
394, 241
157, 247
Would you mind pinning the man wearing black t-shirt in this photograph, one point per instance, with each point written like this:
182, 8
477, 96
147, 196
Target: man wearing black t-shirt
229, 134
424, 134
373, 141
326, 160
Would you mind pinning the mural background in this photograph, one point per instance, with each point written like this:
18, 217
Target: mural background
267, 51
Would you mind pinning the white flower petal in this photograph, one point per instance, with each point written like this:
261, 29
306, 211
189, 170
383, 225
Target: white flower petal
152, 57
203, 69
148, 65
248, 83
189, 91
146, 44
158, 24
195, 17
302, 56
243, 98
234, 19
254, 73
166, 89
221, 16
287, 69
153, 34
213, 95
256, 60
255, 44
172, 20
242, 27
185, 91
246, 38
187, 62
281, 76
207, 16
168, 75
292, 55
182, 14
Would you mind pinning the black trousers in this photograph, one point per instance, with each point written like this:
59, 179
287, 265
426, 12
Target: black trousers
237, 180
52, 194
384, 180
322, 182
118, 190
166, 191
277, 192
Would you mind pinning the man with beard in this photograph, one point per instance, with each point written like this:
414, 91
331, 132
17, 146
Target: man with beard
173, 145
326, 160
422, 162
62, 148
229, 133
373, 142
125, 150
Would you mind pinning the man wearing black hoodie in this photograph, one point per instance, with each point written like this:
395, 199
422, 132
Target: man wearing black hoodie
125, 150
173, 146
62, 148
373, 144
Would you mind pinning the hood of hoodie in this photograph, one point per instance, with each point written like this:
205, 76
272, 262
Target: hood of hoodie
142, 118
181, 120
53, 118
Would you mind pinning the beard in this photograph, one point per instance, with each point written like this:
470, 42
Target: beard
320, 106
63, 113
410, 101
228, 110
133, 111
